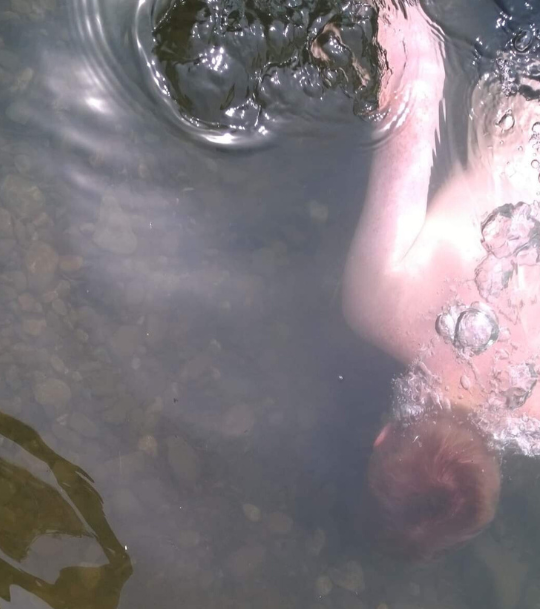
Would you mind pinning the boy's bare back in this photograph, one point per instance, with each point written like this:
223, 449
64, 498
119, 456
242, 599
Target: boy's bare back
412, 262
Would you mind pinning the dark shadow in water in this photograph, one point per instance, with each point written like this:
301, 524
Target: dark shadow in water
29, 508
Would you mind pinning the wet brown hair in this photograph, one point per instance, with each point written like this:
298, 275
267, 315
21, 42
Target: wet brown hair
434, 484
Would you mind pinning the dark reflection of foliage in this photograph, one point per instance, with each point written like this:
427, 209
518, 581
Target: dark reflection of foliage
217, 54
30, 507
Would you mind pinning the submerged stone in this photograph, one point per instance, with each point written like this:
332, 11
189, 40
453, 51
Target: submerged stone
113, 230
189, 538
125, 341
323, 585
349, 576
279, 523
6, 225
246, 560
148, 444
239, 420
34, 327
52, 392
316, 542
41, 262
29, 304
183, 460
71, 264
251, 512
318, 212
83, 425
21, 196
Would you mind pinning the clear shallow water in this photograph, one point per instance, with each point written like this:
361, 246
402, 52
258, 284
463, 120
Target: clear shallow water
170, 324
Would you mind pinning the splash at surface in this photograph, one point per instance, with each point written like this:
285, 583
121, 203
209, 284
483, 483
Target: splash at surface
233, 64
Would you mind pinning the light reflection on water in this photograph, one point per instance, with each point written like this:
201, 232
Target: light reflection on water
170, 323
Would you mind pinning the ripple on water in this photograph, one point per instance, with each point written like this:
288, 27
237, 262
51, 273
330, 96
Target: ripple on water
510, 79
237, 65
236, 71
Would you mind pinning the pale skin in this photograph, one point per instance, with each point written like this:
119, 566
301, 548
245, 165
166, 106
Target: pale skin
411, 256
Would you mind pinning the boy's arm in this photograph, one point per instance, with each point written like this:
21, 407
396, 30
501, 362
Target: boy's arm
394, 211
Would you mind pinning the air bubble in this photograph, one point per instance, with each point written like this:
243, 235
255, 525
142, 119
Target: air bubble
445, 325
523, 41
470, 329
535, 164
507, 122
477, 329
536, 128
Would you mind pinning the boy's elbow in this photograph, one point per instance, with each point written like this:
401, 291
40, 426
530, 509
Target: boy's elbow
356, 304
364, 304
349, 306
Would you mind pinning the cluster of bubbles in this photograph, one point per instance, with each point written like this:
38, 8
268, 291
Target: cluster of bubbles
509, 82
509, 432
416, 393
511, 237
230, 63
518, 64
512, 385
471, 329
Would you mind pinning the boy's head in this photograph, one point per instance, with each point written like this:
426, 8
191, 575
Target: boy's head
435, 484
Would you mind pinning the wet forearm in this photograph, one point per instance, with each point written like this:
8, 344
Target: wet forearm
396, 203
394, 211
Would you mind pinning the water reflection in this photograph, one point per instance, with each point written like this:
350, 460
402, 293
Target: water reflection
231, 74
64, 507
237, 65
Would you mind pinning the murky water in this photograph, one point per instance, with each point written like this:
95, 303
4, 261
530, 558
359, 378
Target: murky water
186, 418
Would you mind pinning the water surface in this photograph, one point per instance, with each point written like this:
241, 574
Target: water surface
186, 417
